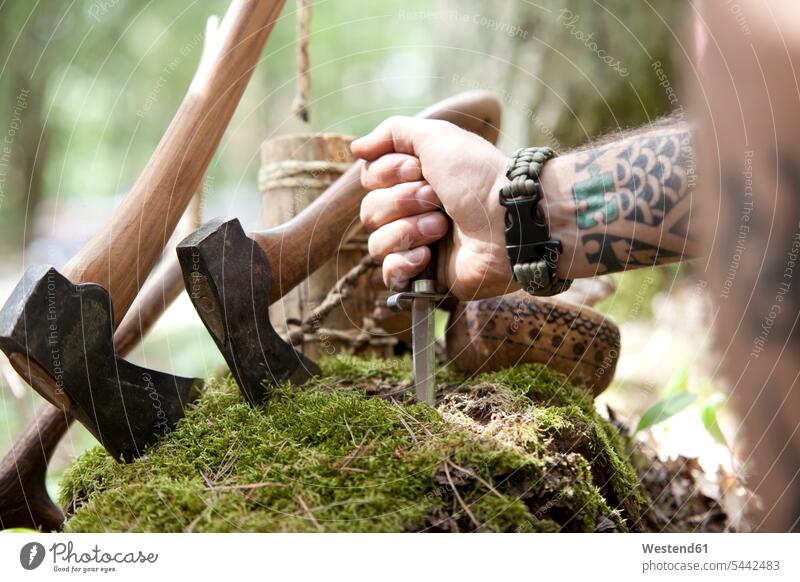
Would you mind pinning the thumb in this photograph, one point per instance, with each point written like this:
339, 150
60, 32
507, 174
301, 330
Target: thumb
396, 134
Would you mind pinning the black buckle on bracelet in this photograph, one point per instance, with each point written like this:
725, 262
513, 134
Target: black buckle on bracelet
527, 237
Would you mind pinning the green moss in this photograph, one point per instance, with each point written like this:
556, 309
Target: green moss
518, 450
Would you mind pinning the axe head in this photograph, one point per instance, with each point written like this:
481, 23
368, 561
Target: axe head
60, 338
228, 278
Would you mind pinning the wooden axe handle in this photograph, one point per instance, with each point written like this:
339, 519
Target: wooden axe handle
24, 501
166, 282
300, 246
157, 294
121, 255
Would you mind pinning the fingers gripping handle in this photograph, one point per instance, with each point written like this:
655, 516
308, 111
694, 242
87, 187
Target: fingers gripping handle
319, 227
423, 286
425, 282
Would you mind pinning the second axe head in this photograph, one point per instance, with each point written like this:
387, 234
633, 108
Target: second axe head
232, 278
228, 278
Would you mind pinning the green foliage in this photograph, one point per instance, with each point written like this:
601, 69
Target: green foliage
519, 450
679, 382
665, 408
105, 78
678, 395
708, 414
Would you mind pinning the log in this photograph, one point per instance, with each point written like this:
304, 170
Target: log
503, 332
295, 170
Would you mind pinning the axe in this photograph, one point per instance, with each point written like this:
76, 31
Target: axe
232, 277
24, 501
57, 328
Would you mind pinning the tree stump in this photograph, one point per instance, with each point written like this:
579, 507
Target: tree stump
521, 450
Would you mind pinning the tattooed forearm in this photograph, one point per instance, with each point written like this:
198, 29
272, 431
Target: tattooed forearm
612, 253
632, 199
641, 181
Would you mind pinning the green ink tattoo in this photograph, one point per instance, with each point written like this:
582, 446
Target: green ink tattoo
591, 198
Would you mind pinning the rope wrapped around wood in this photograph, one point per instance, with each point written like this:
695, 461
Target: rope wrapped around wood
310, 329
300, 174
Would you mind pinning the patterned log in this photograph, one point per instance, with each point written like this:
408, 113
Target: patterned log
502, 332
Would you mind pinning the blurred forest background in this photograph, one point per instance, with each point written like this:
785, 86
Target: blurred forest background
88, 86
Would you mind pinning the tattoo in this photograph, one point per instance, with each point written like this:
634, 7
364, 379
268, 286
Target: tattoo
650, 176
681, 226
615, 253
591, 198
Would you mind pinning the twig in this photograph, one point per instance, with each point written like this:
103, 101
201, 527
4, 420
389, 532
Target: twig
459, 499
408, 428
244, 487
230, 459
190, 528
308, 513
352, 438
412, 417
208, 482
360, 450
480, 479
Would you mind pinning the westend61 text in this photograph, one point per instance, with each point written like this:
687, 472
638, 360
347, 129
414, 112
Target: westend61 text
673, 549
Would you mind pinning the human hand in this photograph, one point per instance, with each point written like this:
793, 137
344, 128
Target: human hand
417, 167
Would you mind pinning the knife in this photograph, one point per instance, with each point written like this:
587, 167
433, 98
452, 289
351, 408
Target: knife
422, 300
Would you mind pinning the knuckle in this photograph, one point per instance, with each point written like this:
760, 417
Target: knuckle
373, 247
365, 217
385, 170
365, 175
406, 235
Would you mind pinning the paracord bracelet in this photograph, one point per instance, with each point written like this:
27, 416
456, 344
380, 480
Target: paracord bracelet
531, 253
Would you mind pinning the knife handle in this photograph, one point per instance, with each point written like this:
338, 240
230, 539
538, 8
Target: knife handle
425, 282
423, 285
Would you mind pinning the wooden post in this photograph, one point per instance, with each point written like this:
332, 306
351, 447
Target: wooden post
295, 170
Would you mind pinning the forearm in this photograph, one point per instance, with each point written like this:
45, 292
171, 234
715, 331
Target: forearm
624, 204
748, 108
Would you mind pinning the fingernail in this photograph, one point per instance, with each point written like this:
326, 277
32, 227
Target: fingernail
415, 256
397, 284
425, 193
409, 171
432, 225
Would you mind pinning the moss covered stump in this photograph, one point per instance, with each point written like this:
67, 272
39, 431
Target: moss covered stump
518, 450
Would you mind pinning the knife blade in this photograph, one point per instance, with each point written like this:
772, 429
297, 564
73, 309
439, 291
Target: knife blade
423, 343
422, 300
